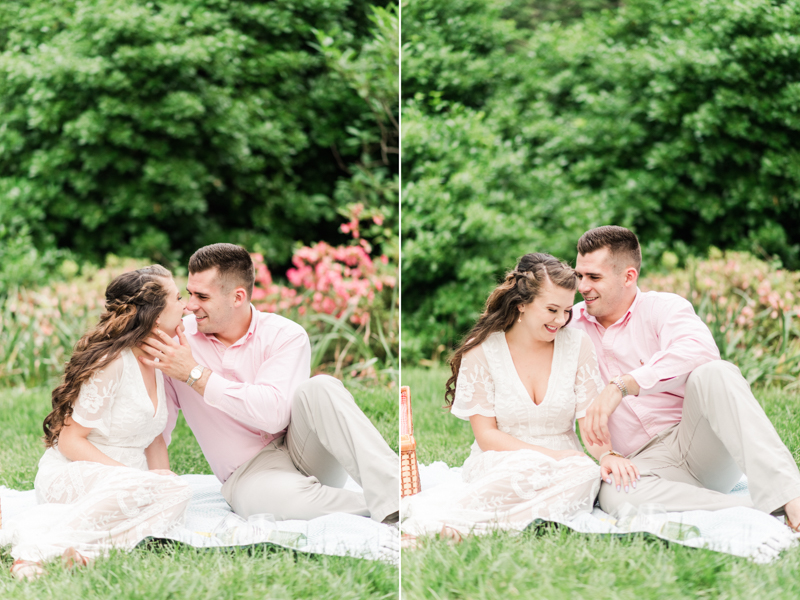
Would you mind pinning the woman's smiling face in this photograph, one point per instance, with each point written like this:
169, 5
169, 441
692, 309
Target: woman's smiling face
548, 312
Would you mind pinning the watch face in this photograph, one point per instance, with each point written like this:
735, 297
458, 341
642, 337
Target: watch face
196, 372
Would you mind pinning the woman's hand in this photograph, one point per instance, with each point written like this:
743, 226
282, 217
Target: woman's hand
562, 454
164, 472
624, 471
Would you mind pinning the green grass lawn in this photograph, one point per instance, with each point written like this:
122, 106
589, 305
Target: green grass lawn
562, 564
170, 572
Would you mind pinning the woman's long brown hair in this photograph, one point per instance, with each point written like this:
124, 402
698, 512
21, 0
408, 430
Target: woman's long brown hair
519, 287
133, 303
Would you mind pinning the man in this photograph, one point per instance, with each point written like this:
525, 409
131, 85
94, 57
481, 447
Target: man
280, 442
686, 419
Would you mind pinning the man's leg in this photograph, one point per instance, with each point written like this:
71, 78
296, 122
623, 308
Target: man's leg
270, 483
328, 432
724, 430
665, 480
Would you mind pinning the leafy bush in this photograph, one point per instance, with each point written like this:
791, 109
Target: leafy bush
751, 307
152, 128
676, 119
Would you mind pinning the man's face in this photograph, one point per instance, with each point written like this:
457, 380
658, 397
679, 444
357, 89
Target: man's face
602, 285
211, 304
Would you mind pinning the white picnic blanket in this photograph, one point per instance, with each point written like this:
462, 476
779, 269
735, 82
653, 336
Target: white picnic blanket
739, 531
210, 523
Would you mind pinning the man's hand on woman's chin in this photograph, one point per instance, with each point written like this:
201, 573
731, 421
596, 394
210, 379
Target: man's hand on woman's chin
174, 358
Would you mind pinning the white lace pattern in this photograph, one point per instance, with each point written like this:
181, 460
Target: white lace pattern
509, 490
94, 507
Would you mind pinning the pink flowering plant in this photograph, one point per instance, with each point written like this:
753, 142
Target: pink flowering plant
751, 308
345, 298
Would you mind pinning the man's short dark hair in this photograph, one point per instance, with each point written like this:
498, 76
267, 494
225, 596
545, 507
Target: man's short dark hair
233, 263
621, 243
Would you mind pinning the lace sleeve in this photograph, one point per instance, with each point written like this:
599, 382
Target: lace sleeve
474, 388
93, 407
588, 383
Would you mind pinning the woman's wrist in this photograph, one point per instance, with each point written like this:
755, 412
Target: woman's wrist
609, 453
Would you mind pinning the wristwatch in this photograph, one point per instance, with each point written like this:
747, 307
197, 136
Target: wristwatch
195, 374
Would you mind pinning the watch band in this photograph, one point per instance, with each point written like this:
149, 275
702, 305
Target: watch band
191, 381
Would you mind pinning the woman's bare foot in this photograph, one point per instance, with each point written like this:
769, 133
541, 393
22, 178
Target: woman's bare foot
27, 569
72, 559
451, 534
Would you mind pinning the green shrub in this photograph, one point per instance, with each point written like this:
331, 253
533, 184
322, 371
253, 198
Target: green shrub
674, 118
152, 128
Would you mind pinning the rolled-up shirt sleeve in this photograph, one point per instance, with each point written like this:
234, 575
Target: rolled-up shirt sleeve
685, 344
266, 403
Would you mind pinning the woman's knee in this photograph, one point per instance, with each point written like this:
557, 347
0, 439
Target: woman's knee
181, 489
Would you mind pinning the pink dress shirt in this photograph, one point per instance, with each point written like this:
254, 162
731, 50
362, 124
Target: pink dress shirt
659, 341
247, 401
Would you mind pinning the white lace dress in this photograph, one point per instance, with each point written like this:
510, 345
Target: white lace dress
510, 489
94, 507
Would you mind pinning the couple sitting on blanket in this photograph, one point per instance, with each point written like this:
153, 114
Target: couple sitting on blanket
281, 442
668, 421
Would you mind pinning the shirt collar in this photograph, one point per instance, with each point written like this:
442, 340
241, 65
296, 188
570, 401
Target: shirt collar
584, 314
254, 322
251, 330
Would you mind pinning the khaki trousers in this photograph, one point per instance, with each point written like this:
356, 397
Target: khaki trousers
300, 476
723, 433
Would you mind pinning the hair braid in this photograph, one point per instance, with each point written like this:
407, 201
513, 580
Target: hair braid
520, 286
133, 303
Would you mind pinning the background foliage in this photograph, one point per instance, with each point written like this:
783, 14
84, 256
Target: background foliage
526, 123
148, 129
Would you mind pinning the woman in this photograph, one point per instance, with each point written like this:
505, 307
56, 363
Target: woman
104, 479
521, 379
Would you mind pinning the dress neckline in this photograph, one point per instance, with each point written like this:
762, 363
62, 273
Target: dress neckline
509, 363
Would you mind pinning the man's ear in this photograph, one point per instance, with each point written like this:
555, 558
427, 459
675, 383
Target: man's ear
631, 276
239, 296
